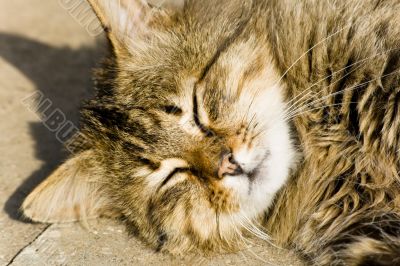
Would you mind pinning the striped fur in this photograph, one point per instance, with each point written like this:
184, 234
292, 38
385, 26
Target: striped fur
330, 69
343, 206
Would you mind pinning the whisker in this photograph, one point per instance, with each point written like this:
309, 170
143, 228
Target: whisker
256, 231
320, 91
360, 61
239, 234
347, 89
251, 121
257, 234
254, 226
313, 109
340, 70
325, 97
309, 50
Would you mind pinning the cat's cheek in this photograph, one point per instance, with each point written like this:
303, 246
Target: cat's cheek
282, 157
203, 220
206, 222
155, 178
264, 188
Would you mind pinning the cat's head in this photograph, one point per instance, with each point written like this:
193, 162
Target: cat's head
187, 138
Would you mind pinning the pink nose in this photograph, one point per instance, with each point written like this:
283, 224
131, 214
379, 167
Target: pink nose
228, 166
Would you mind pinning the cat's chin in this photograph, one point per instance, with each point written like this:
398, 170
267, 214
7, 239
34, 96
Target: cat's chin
257, 189
255, 193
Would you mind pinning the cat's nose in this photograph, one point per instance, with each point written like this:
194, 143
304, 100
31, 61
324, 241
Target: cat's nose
229, 166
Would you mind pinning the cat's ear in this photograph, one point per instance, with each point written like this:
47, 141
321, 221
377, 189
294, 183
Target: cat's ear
71, 193
124, 20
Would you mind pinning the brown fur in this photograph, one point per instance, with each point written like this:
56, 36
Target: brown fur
341, 207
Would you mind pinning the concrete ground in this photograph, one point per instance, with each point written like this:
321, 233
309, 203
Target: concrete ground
47, 46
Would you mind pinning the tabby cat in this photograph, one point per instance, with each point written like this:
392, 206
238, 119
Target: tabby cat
213, 117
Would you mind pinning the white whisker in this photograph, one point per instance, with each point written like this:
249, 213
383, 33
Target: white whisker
288, 110
309, 50
340, 70
325, 97
338, 92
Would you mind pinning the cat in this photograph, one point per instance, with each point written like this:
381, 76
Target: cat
211, 117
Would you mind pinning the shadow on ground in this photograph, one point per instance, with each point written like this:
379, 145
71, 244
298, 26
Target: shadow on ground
62, 75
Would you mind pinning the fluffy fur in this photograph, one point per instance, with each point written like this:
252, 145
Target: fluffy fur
187, 84
342, 207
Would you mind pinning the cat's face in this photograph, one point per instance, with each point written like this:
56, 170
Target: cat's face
192, 128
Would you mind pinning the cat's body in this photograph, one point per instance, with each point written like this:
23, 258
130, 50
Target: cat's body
343, 206
189, 140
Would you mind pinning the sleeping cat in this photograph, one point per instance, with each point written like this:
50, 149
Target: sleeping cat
212, 117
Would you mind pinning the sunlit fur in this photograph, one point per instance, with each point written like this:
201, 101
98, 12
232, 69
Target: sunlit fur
238, 100
180, 89
184, 85
343, 206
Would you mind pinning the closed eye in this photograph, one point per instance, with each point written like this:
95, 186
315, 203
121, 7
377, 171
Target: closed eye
172, 109
208, 132
172, 174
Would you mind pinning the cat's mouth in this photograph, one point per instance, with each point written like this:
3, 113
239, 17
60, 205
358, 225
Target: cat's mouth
254, 174
230, 166
255, 171
242, 183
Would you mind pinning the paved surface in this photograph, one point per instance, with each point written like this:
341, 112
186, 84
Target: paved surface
45, 48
